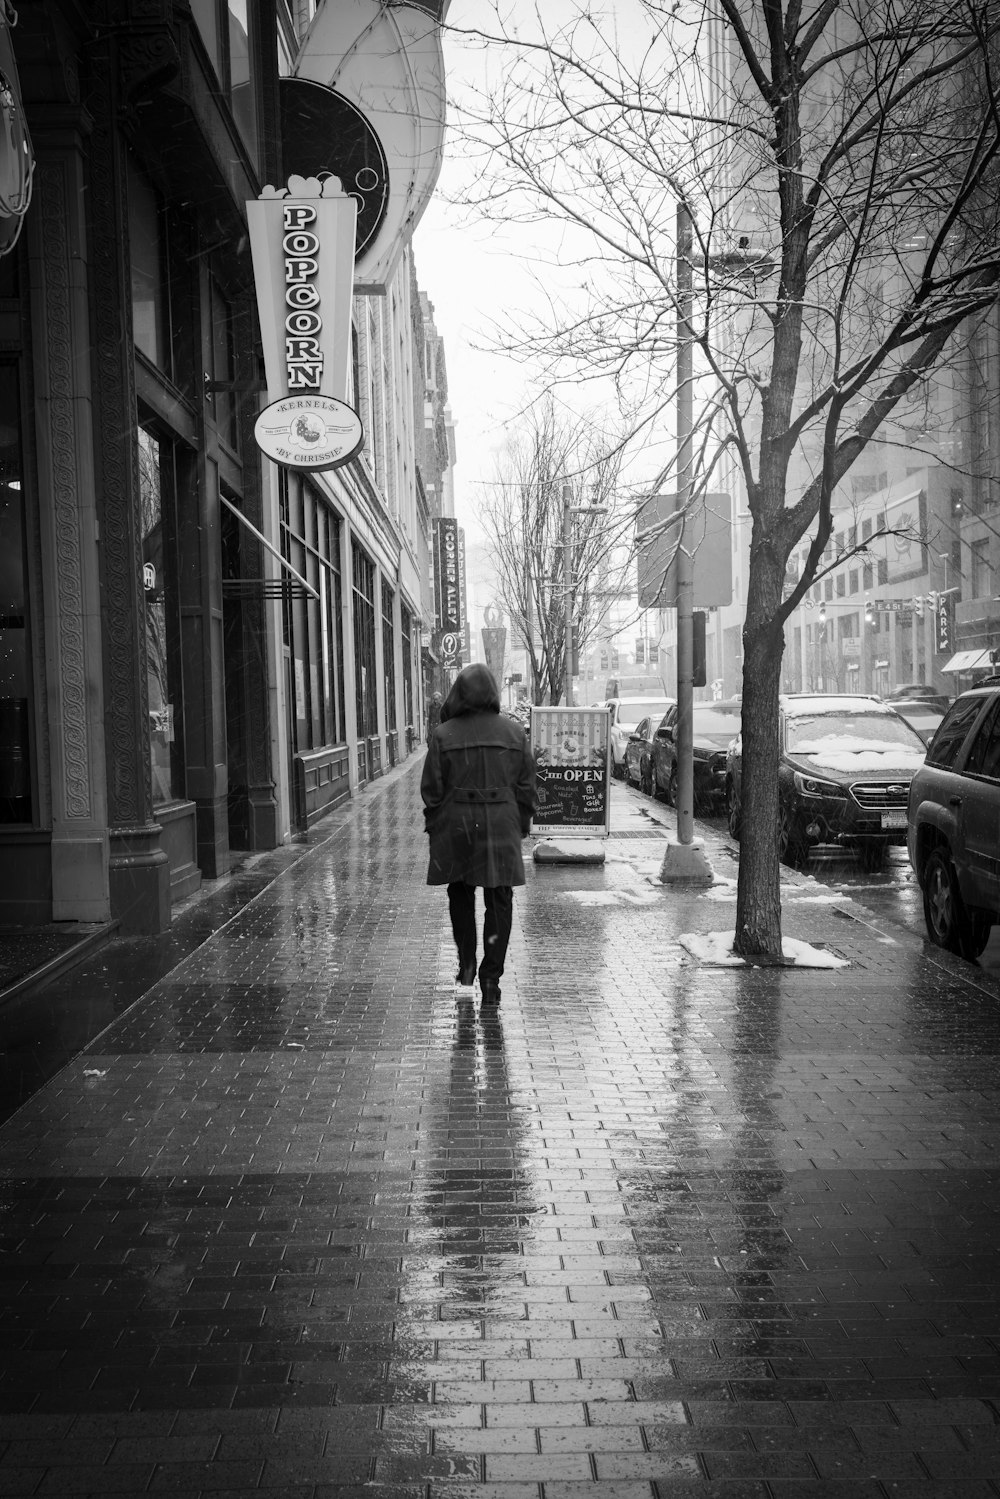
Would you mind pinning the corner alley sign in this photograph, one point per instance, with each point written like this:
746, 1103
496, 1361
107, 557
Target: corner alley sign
302, 241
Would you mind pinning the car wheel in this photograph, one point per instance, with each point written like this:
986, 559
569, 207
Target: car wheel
671, 792
793, 845
734, 811
949, 924
872, 855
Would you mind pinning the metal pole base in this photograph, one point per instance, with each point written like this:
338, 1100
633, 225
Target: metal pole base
687, 864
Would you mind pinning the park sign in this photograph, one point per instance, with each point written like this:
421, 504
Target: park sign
302, 240
572, 750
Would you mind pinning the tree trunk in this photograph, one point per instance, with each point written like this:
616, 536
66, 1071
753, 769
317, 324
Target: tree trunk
758, 901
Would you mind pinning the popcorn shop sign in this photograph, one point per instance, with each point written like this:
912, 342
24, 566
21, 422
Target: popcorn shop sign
303, 241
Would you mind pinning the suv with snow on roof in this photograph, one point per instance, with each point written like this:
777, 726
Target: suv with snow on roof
844, 775
954, 818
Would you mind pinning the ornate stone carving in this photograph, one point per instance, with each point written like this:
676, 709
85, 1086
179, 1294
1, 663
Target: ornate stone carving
149, 59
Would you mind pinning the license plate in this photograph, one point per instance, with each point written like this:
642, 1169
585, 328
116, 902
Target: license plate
894, 819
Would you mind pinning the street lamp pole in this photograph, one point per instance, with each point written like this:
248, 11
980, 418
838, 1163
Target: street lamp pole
567, 499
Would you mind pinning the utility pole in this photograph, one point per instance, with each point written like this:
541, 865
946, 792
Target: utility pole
685, 860
684, 567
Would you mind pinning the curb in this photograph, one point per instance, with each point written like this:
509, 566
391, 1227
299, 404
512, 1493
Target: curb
88, 944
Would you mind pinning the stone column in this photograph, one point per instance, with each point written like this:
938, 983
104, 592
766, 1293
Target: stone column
59, 285
139, 871
264, 818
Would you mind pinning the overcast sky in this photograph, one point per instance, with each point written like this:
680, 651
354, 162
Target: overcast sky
474, 274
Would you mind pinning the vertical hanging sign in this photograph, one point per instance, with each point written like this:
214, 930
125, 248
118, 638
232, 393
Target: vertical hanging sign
464, 597
943, 620
302, 242
447, 577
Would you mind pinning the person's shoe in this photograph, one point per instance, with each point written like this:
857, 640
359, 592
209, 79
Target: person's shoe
466, 976
490, 991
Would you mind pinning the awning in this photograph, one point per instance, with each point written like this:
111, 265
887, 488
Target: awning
268, 546
967, 661
387, 61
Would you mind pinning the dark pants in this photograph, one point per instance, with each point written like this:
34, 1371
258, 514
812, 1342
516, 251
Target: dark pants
496, 927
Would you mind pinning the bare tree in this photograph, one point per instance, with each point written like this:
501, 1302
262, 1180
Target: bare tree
523, 518
837, 166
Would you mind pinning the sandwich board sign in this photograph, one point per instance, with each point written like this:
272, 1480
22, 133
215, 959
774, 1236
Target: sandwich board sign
572, 750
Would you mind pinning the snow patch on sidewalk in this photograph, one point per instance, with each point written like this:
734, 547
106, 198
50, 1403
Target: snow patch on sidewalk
612, 897
715, 949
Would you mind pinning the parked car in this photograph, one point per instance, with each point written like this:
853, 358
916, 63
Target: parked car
520, 713
638, 755
626, 713
715, 726
918, 692
844, 771
953, 821
921, 713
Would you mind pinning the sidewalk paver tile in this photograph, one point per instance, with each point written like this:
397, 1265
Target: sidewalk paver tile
299, 1221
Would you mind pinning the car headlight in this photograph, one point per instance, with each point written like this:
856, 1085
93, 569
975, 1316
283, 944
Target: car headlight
812, 786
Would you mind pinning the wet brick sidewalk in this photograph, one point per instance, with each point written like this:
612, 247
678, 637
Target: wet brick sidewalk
298, 1223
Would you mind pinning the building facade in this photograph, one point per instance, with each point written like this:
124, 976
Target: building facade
200, 653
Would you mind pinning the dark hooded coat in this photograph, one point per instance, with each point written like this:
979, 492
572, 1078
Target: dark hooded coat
478, 788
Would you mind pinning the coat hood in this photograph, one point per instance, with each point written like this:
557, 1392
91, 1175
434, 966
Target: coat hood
473, 691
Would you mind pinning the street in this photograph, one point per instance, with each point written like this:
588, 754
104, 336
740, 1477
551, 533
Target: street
892, 895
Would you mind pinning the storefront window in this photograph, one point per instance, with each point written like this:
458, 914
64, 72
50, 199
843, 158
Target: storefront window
15, 744
389, 657
149, 312
239, 74
406, 632
223, 27
162, 667
223, 365
313, 628
206, 18
364, 643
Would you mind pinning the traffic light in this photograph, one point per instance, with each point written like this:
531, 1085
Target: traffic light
699, 675
918, 606
869, 612
822, 616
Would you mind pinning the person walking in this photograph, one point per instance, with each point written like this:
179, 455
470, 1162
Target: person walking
478, 790
433, 714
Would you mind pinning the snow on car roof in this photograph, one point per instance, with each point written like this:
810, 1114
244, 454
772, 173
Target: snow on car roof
832, 754
827, 703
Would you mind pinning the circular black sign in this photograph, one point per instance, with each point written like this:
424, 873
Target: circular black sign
322, 133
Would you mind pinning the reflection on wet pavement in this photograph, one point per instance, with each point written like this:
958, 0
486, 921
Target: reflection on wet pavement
301, 1221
